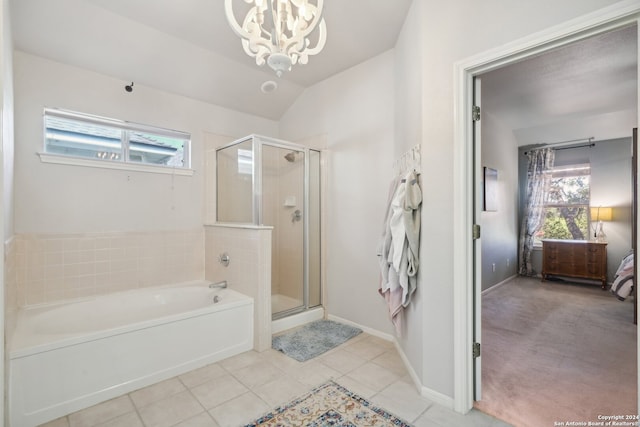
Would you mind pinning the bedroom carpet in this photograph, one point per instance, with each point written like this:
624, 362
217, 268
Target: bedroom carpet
556, 352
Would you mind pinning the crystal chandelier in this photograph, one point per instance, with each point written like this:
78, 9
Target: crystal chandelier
277, 31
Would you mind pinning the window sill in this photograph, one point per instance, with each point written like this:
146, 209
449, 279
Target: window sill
106, 164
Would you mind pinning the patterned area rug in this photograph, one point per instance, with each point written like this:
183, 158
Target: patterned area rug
329, 405
313, 339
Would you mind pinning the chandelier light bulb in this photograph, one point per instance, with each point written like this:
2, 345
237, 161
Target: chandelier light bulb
277, 32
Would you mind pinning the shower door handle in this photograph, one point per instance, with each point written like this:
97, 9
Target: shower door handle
296, 215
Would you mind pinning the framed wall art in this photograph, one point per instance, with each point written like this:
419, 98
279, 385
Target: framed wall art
490, 189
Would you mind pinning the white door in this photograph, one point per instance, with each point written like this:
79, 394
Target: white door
477, 246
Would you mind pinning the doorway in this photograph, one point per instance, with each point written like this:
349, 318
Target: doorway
464, 181
541, 338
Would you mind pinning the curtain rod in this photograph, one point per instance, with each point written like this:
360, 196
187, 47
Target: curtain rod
560, 144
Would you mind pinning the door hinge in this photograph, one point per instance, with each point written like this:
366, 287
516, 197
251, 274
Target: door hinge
475, 113
476, 350
476, 231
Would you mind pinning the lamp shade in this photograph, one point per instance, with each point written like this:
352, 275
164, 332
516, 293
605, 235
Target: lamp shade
600, 213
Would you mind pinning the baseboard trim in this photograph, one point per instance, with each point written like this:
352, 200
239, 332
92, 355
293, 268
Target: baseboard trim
295, 320
370, 331
439, 398
425, 392
499, 284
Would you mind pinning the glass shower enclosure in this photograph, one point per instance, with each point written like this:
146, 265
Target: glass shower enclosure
265, 181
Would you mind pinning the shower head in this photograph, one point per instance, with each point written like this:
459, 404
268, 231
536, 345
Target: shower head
290, 156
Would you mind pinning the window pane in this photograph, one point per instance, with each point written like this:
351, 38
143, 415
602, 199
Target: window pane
566, 208
569, 190
153, 149
567, 222
234, 171
76, 138
83, 135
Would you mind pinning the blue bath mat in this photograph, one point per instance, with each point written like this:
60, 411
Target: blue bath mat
313, 339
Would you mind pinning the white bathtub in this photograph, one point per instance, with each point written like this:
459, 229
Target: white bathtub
69, 356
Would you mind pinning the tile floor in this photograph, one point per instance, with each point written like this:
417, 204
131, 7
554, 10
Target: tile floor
239, 389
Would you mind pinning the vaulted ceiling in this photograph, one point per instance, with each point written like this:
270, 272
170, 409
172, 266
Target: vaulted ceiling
187, 47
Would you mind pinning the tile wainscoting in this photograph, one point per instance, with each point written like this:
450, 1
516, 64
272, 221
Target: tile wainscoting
43, 268
249, 269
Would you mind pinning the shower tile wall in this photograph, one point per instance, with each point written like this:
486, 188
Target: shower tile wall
283, 180
290, 233
248, 272
53, 267
270, 201
10, 285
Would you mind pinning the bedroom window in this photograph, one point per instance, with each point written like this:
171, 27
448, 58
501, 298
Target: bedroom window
104, 142
567, 207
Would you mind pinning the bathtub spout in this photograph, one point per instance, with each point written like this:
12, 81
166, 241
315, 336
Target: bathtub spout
218, 285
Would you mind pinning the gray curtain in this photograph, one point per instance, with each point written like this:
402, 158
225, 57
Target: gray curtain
540, 161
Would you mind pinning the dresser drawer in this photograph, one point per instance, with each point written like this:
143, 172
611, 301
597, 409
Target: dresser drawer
575, 258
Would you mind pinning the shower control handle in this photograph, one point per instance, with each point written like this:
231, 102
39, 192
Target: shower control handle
224, 259
296, 215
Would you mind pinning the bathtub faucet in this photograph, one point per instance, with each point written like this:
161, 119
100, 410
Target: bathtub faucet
219, 285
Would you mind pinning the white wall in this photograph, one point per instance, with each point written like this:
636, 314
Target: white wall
454, 31
355, 109
408, 83
7, 121
599, 126
611, 186
58, 198
408, 133
6, 94
499, 239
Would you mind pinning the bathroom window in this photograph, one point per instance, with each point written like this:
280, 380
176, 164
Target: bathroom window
76, 138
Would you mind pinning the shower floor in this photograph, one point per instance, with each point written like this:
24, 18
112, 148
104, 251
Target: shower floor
281, 302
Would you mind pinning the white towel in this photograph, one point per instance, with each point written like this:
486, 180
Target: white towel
399, 247
385, 241
397, 226
411, 217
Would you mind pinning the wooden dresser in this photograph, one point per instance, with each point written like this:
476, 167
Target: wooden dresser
575, 258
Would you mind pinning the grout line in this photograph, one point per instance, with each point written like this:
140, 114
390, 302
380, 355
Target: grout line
339, 376
199, 403
135, 409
